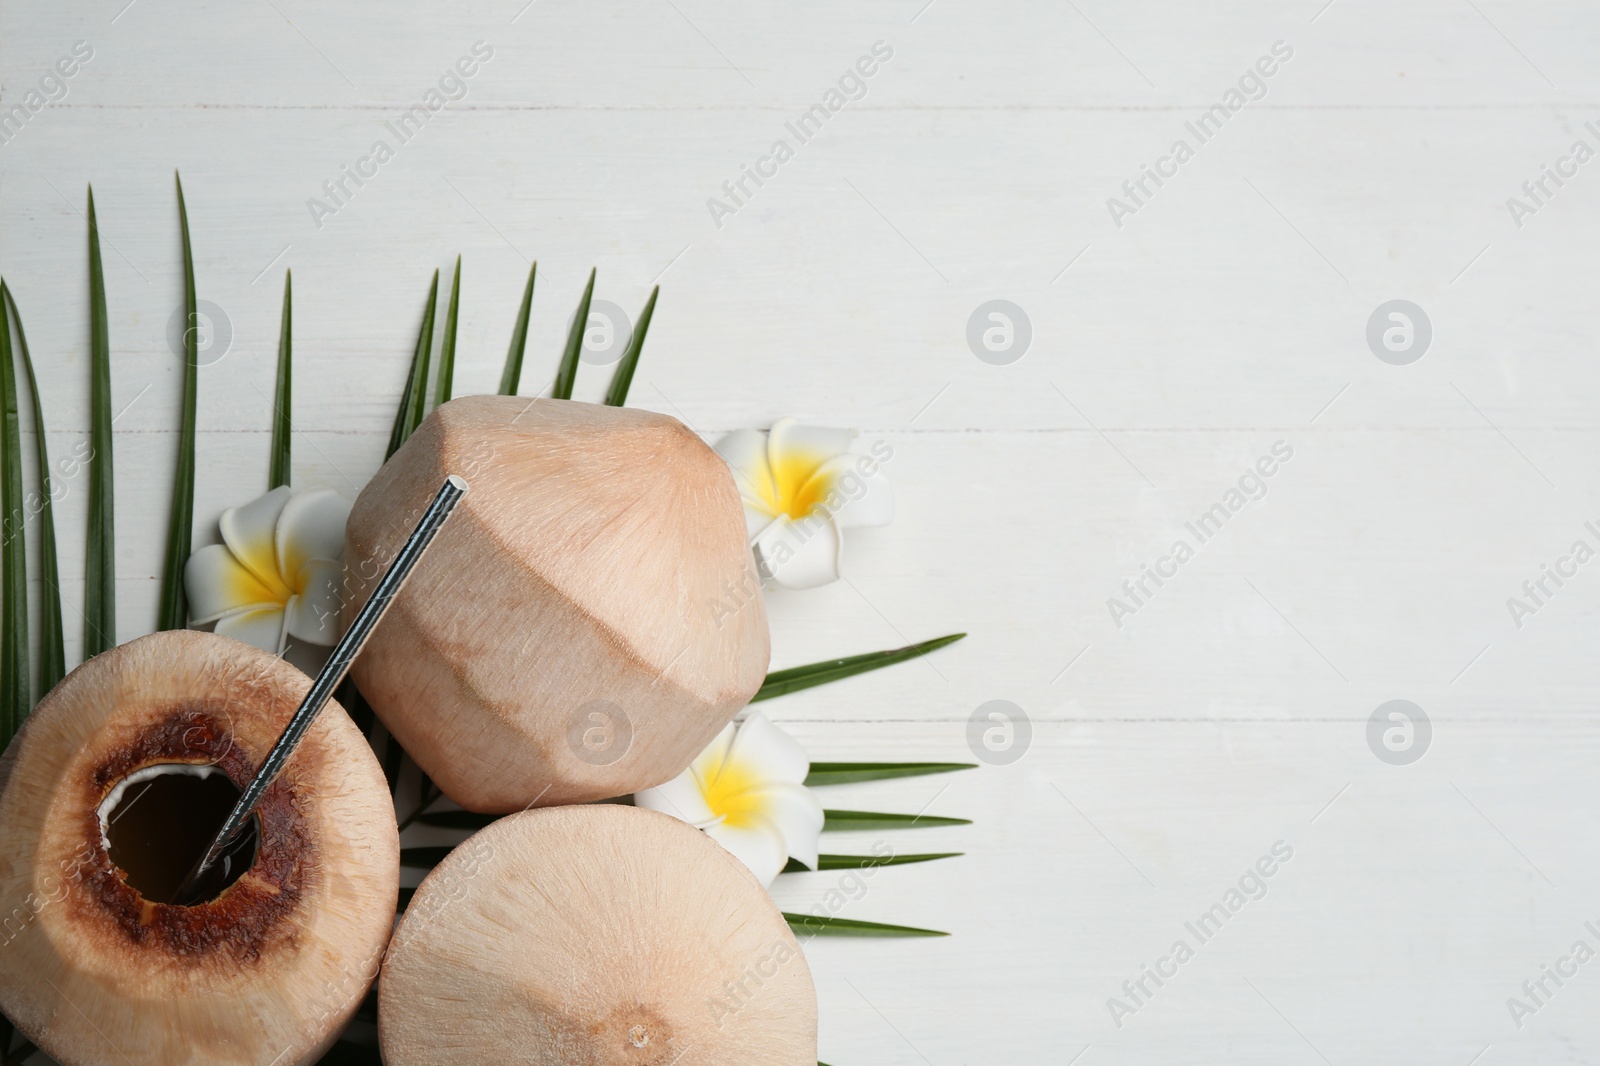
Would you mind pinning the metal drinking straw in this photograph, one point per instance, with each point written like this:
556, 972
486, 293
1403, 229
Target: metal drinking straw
331, 674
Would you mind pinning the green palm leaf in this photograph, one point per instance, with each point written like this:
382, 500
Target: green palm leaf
866, 862
282, 397
848, 821
52, 652
419, 394
511, 376
781, 682
814, 925
409, 414
100, 563
447, 346
617, 394
14, 691
844, 773
180, 525
567, 372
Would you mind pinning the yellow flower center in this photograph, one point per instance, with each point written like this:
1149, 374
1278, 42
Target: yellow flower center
731, 794
796, 491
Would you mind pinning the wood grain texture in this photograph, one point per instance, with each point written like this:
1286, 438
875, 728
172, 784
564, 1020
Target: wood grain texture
1168, 355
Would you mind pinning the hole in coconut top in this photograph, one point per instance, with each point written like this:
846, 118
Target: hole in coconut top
158, 820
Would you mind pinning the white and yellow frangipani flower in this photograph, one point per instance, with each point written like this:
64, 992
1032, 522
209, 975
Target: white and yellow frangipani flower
277, 573
747, 792
802, 487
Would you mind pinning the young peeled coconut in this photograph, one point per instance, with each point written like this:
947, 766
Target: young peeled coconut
600, 935
585, 624
107, 796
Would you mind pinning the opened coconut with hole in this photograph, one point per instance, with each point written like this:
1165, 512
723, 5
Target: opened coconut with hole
108, 794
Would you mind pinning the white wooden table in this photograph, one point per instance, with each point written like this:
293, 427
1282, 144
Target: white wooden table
1228, 312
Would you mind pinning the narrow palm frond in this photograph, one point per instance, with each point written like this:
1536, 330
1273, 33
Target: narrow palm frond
567, 372
174, 613
52, 650
100, 564
511, 376
622, 379
283, 395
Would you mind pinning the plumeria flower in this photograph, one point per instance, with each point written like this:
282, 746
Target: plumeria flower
747, 792
802, 487
277, 572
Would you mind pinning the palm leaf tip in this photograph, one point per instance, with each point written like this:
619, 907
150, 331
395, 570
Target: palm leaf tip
622, 379
567, 372
781, 682
100, 579
837, 821
511, 376
818, 925
282, 423
447, 346
180, 526
409, 414
866, 862
844, 773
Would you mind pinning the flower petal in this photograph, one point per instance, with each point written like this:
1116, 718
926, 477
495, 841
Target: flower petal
765, 752
758, 846
261, 626
789, 436
756, 518
248, 532
797, 814
218, 584
708, 763
799, 555
746, 453
681, 797
313, 614
851, 495
310, 527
